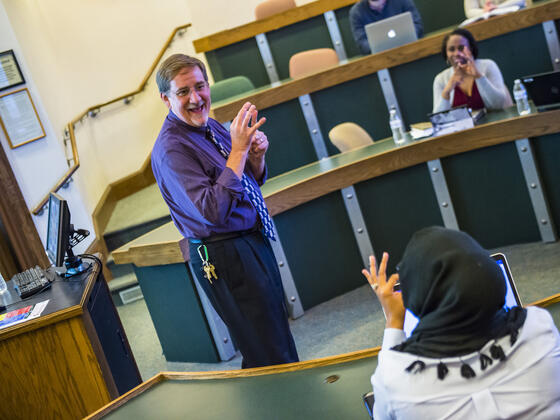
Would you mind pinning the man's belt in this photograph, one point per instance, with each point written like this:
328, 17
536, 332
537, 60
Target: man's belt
223, 236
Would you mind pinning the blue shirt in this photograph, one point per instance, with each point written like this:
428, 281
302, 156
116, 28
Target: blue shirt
204, 196
361, 15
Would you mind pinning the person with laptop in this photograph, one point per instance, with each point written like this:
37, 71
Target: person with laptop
365, 12
476, 8
469, 357
477, 83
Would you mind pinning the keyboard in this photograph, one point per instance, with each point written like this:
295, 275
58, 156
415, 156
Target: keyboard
30, 281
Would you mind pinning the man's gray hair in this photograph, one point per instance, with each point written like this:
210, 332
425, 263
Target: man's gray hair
172, 66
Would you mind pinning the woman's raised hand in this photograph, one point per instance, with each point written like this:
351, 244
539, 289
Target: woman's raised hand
390, 300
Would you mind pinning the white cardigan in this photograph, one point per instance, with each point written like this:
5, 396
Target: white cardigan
475, 8
493, 91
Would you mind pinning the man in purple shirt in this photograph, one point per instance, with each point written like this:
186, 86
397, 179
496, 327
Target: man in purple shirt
210, 180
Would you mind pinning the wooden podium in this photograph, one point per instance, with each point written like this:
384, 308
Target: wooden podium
71, 360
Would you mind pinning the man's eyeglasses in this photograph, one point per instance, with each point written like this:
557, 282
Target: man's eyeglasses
186, 91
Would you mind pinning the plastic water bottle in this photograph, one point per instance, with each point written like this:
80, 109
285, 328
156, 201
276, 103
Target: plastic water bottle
3, 286
520, 95
396, 126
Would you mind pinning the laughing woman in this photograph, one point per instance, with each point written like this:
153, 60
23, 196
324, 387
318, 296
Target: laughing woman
477, 83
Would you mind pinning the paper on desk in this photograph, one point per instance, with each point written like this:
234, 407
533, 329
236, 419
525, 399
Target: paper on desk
18, 316
420, 130
38, 309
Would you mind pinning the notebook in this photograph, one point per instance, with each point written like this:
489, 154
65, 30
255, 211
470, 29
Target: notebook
391, 32
544, 89
512, 297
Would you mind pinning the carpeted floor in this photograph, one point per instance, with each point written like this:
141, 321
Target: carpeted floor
347, 323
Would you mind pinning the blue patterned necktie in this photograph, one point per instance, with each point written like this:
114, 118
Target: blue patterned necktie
254, 193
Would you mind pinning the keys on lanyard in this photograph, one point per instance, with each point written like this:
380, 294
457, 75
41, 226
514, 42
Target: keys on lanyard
209, 269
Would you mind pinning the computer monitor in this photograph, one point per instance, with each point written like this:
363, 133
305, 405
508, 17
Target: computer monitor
58, 230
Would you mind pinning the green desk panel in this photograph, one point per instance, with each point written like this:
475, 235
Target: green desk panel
359, 101
319, 244
343, 19
547, 155
395, 206
518, 53
490, 196
439, 14
177, 313
240, 59
413, 86
301, 394
301, 36
290, 142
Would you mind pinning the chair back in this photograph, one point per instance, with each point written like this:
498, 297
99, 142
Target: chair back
347, 136
312, 61
271, 7
228, 88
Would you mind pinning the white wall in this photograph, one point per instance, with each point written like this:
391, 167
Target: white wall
37, 166
75, 54
78, 53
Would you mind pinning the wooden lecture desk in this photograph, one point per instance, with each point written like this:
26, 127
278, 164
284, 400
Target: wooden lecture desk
71, 360
236, 51
329, 388
352, 91
487, 187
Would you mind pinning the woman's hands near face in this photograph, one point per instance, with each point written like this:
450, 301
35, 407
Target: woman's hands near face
463, 63
468, 66
390, 300
464, 66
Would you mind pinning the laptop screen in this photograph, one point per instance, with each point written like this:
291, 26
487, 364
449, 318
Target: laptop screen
512, 297
391, 32
544, 89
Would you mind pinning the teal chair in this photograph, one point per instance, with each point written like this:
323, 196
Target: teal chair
228, 88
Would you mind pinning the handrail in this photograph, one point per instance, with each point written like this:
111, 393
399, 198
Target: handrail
94, 110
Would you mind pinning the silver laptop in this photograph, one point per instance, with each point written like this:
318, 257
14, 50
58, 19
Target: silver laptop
391, 32
512, 297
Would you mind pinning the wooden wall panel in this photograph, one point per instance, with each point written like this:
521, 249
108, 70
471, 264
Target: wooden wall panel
17, 220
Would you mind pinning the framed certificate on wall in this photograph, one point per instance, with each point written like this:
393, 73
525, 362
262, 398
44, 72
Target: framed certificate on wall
19, 118
10, 73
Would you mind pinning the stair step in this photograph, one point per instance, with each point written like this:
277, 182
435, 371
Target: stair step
117, 238
122, 282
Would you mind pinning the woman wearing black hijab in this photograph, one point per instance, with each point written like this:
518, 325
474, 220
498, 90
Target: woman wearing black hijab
468, 357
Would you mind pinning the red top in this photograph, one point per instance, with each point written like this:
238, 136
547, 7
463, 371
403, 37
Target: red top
461, 98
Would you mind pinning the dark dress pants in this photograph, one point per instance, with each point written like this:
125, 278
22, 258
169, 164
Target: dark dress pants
249, 297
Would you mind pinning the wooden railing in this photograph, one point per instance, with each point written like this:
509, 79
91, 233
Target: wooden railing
93, 111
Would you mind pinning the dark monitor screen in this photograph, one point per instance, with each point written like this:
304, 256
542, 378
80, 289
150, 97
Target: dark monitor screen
58, 229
